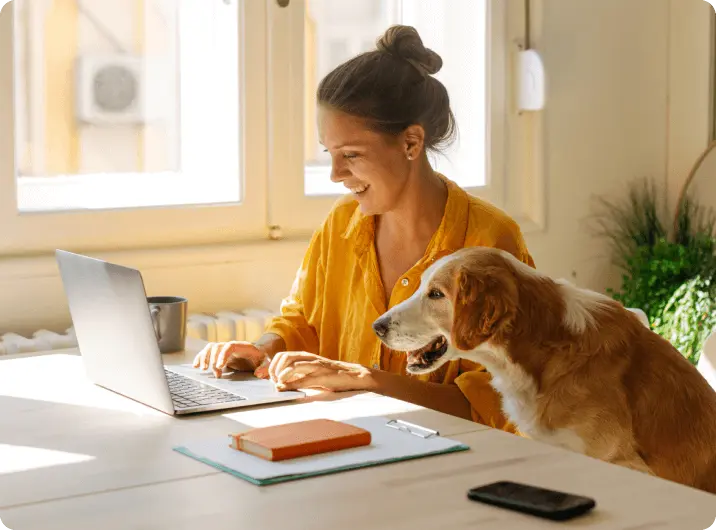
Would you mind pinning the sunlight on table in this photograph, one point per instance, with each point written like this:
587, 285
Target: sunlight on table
17, 458
345, 408
61, 379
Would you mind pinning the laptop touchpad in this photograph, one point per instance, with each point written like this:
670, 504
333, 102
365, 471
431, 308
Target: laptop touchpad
239, 382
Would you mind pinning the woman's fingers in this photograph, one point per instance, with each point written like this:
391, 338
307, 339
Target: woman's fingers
262, 371
298, 369
272, 365
225, 351
219, 355
203, 358
241, 356
199, 359
319, 381
215, 349
282, 360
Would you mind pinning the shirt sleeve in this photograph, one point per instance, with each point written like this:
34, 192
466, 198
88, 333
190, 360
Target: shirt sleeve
485, 401
508, 237
304, 300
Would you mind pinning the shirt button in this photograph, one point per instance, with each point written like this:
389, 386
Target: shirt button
405, 282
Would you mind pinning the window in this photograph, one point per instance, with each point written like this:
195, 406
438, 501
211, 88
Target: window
114, 105
136, 108
320, 34
146, 123
335, 32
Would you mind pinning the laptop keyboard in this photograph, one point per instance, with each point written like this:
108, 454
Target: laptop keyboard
187, 393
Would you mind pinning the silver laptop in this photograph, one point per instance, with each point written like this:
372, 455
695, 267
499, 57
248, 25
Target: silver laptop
115, 334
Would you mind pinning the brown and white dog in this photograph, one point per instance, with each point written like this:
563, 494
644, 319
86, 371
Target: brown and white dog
574, 368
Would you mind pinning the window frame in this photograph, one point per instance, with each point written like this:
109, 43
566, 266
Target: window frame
514, 180
148, 226
273, 202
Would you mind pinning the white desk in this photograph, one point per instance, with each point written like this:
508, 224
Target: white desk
74, 456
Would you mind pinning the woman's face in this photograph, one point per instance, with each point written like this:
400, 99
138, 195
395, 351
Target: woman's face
373, 166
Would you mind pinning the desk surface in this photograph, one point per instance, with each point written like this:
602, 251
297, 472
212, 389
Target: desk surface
74, 456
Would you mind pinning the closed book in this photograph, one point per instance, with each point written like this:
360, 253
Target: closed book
303, 438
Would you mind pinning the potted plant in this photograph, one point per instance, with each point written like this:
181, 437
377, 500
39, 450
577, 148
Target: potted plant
668, 269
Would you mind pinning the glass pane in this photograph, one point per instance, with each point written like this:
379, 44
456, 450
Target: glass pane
456, 29
126, 103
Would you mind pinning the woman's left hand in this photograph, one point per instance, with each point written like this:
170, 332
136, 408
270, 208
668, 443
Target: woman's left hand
294, 370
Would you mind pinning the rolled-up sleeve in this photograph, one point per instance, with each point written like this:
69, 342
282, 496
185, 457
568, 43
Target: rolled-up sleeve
508, 237
293, 324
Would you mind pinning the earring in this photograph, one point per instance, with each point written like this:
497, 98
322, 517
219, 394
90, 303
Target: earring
410, 157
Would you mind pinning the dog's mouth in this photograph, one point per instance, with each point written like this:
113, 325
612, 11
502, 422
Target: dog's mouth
424, 358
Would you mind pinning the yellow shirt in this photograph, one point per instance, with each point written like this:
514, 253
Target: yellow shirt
338, 293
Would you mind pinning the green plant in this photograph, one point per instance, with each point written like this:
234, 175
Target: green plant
633, 223
653, 274
670, 276
690, 316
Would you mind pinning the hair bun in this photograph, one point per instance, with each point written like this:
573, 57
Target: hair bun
405, 42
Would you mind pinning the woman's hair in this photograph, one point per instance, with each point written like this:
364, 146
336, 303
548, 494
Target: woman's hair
392, 88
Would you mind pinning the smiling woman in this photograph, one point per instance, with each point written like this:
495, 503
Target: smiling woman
380, 113
391, 91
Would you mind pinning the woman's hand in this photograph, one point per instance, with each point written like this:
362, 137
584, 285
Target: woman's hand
294, 370
238, 356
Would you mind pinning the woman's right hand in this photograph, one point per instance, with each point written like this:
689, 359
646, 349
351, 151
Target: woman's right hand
237, 356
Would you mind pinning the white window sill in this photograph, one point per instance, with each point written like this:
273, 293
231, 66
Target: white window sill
44, 265
123, 190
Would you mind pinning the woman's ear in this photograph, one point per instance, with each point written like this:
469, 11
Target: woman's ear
483, 306
414, 141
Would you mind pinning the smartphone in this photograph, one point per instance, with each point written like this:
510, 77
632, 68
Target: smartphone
532, 500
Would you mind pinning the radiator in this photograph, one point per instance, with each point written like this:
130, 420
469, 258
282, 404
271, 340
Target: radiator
222, 326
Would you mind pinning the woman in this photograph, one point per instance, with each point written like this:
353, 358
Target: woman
379, 115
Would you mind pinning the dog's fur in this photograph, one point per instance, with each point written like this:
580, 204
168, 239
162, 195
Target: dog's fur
574, 368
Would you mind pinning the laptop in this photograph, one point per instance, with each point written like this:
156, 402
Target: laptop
115, 335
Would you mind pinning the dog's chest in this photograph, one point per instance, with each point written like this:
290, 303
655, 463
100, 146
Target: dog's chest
519, 397
520, 402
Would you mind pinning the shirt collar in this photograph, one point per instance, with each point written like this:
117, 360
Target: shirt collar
449, 237
361, 229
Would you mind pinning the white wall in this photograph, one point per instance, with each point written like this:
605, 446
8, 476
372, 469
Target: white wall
608, 121
690, 89
629, 98
605, 122
220, 277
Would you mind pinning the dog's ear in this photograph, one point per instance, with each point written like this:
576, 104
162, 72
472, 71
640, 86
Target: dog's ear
484, 304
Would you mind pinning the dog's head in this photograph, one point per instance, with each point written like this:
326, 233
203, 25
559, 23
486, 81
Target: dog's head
465, 300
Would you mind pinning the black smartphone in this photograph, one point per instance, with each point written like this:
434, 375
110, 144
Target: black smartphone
532, 500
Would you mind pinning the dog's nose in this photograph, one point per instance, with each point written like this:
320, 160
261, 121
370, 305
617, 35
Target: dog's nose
381, 326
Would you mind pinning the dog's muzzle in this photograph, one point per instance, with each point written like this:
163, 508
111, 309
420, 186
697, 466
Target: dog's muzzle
381, 327
426, 357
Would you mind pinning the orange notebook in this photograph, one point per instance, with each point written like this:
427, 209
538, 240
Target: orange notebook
303, 438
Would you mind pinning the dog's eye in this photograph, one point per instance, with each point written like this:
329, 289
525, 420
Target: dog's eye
435, 294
